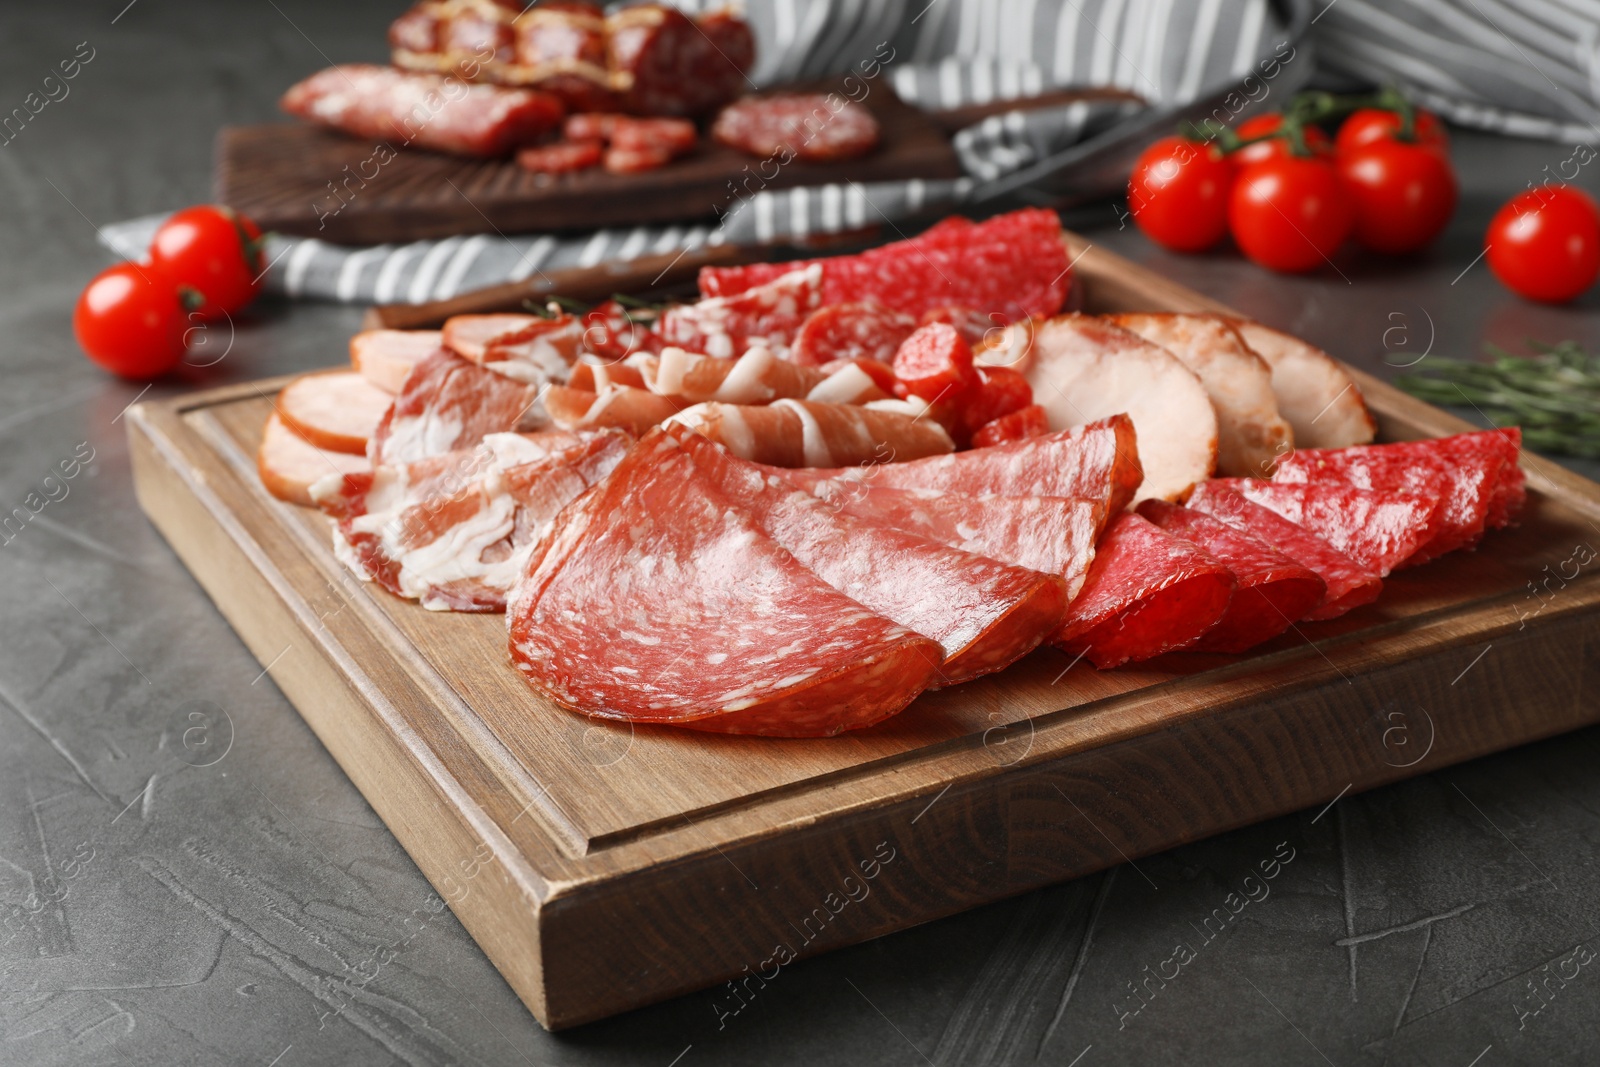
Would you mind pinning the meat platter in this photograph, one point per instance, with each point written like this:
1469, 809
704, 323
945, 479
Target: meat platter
604, 864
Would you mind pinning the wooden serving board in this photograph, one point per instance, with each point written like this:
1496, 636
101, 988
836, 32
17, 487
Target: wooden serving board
602, 868
300, 179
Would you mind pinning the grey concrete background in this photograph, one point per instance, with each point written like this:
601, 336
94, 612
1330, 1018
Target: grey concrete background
161, 912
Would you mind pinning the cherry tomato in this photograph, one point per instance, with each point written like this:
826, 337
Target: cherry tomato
1403, 194
130, 320
935, 363
1277, 147
1178, 193
1544, 244
1371, 125
1290, 214
214, 251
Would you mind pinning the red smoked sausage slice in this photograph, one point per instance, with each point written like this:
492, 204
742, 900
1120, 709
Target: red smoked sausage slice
1378, 530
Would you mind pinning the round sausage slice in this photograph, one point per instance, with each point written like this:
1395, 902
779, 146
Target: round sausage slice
288, 465
338, 411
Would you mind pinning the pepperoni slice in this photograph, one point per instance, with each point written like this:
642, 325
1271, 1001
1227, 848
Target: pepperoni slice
1379, 530
1349, 584
659, 601
1148, 592
865, 330
1272, 591
813, 127
1031, 421
339, 411
563, 157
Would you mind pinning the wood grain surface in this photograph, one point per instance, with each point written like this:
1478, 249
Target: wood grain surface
603, 867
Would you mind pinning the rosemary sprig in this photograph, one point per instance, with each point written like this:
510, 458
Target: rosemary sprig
1554, 395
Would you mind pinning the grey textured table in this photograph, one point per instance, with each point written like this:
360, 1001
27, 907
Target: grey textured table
162, 912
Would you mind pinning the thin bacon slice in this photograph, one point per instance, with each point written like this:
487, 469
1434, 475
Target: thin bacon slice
657, 600
448, 403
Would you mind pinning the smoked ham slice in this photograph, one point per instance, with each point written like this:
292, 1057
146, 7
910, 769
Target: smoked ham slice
1271, 591
289, 465
802, 433
455, 531
1315, 393
1348, 584
385, 357
448, 403
1379, 530
1251, 434
339, 410
657, 600
984, 613
1099, 461
1148, 592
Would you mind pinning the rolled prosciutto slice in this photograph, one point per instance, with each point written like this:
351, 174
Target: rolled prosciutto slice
804, 433
658, 600
984, 613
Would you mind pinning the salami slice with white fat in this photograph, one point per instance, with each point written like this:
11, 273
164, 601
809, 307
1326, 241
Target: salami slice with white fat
812, 127
769, 315
984, 613
289, 466
385, 357
339, 411
657, 600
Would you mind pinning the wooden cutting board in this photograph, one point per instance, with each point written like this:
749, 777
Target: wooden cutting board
602, 868
295, 178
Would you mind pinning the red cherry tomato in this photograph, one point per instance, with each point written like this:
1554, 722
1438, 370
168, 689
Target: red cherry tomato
935, 363
1000, 391
1277, 147
130, 321
1178, 193
1371, 125
214, 251
1403, 194
1290, 214
1544, 244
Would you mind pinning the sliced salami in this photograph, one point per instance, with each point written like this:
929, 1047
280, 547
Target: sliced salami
448, 403
635, 160
1147, 593
1348, 584
1271, 592
563, 157
985, 614
385, 357
812, 127
338, 410
657, 600
289, 465
770, 314
866, 330
672, 136
1379, 530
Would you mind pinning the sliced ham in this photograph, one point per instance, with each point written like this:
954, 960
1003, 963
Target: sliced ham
289, 465
455, 531
1251, 434
983, 613
1271, 591
657, 600
1315, 393
800, 433
1347, 583
1148, 592
1379, 530
448, 403
338, 410
385, 357
1086, 369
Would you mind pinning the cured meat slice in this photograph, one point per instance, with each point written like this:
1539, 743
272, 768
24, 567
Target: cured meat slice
757, 377
1251, 434
1085, 368
800, 433
469, 336
448, 403
338, 410
672, 136
1348, 584
1379, 530
561, 49
657, 600
1315, 393
613, 332
456, 531
1148, 592
635, 160
288, 465
525, 347
619, 407
1097, 462
1271, 591
1464, 471
385, 357
811, 127
665, 63
563, 157
983, 613
1510, 492
769, 315
866, 330
1012, 266
850, 383
1010, 346
1052, 534
420, 111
